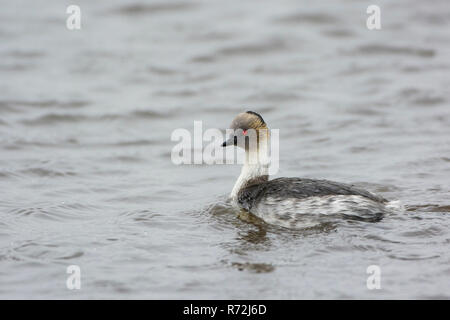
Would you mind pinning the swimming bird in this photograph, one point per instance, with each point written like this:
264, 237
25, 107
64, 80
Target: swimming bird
291, 202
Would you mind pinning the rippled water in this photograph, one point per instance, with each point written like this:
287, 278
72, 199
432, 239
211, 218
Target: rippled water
85, 124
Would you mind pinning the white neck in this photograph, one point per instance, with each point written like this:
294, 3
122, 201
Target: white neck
254, 167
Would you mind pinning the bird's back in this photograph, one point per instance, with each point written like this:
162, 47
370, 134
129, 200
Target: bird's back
284, 200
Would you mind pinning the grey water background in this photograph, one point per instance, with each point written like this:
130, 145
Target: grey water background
86, 117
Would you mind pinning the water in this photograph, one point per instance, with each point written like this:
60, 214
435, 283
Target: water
85, 124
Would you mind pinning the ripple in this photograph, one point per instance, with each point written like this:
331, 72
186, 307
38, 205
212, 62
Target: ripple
429, 208
141, 216
59, 212
112, 285
44, 103
253, 267
383, 239
41, 252
126, 159
421, 97
426, 232
140, 142
55, 118
246, 49
163, 71
413, 257
6, 173
148, 114
375, 49
16, 144
26, 54
316, 18
74, 255
338, 33
267, 46
156, 8
16, 67
277, 97
176, 93
39, 212
46, 172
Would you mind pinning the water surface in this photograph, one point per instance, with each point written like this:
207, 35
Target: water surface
85, 124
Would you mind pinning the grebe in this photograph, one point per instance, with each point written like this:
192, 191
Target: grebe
291, 202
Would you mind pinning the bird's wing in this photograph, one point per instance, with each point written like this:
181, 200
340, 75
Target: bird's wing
298, 188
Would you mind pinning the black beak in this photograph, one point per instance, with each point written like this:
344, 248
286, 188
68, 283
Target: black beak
232, 141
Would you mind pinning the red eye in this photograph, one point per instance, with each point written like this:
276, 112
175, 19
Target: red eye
244, 132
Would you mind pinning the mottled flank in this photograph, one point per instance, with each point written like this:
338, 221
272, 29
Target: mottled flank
305, 213
300, 189
286, 201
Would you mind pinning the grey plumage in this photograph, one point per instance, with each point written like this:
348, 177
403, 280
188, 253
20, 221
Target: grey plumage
298, 188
